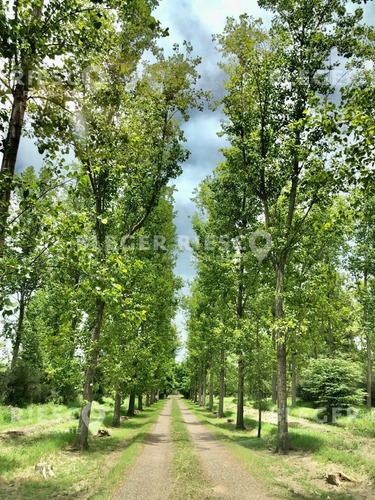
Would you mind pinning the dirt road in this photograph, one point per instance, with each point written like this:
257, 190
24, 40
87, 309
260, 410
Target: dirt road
231, 481
149, 479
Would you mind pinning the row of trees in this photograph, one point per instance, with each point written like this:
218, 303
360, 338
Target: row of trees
87, 247
285, 261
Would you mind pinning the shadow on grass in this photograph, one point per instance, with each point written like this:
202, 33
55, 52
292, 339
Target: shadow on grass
300, 440
7, 464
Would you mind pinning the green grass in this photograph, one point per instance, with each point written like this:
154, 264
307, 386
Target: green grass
76, 473
362, 424
188, 479
324, 446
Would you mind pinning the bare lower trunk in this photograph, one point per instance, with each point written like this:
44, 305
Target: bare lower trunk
274, 375
117, 410
260, 392
140, 402
200, 393
18, 338
222, 385
282, 408
196, 390
204, 384
294, 381
274, 388
131, 407
240, 395
211, 387
369, 371
84, 419
147, 399
10, 152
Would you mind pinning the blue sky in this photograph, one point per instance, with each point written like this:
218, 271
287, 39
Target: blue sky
196, 21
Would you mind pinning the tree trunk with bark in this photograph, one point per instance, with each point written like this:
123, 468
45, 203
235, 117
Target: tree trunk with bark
117, 409
221, 413
368, 352
18, 338
274, 375
140, 402
131, 407
147, 399
211, 386
11, 143
88, 391
294, 381
240, 424
204, 388
282, 408
274, 388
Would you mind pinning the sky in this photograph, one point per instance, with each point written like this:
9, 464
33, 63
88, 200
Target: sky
194, 21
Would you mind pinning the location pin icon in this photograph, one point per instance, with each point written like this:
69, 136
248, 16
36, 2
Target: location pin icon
260, 252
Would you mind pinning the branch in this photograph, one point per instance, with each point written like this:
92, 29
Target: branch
298, 227
39, 197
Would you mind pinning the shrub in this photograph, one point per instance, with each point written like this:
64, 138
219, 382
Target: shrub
333, 383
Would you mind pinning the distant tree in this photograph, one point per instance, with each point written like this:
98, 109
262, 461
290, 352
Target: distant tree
333, 384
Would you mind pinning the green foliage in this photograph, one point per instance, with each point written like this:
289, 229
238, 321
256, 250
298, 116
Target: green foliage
333, 383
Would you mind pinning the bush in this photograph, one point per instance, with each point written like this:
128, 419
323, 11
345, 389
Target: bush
24, 385
333, 383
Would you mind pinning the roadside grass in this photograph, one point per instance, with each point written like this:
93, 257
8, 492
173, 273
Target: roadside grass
288, 477
92, 474
189, 482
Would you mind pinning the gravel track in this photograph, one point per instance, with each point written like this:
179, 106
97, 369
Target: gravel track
149, 477
231, 481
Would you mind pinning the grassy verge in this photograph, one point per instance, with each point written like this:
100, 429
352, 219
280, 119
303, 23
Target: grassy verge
93, 474
188, 478
301, 474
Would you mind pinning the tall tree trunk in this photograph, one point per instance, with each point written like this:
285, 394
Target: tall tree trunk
315, 351
368, 351
147, 399
196, 389
18, 339
204, 388
294, 381
11, 143
330, 339
117, 409
140, 402
274, 388
200, 394
260, 418
260, 401
274, 374
131, 408
211, 387
240, 394
282, 408
88, 391
222, 384
10, 152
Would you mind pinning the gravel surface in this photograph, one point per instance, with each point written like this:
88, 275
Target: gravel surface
231, 481
148, 479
